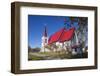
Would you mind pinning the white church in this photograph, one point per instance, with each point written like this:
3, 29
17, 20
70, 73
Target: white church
66, 45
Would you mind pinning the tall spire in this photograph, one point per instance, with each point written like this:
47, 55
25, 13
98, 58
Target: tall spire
45, 32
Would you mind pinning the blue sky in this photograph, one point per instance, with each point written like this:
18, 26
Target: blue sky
36, 24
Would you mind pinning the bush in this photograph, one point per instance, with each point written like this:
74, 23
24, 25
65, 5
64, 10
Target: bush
36, 49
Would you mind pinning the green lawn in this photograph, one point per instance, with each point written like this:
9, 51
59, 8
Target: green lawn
54, 55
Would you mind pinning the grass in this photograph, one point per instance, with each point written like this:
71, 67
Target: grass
31, 57
55, 55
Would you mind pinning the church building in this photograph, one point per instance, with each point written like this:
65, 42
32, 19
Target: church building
63, 39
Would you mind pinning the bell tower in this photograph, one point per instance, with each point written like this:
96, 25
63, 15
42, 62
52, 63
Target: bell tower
44, 39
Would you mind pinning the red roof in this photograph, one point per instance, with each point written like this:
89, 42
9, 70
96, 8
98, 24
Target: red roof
61, 35
67, 35
55, 37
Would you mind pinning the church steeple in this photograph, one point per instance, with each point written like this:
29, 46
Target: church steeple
45, 32
44, 40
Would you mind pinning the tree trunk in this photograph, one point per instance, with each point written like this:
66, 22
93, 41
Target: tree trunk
76, 38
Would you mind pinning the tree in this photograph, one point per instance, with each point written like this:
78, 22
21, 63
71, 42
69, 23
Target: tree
83, 24
81, 30
37, 49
